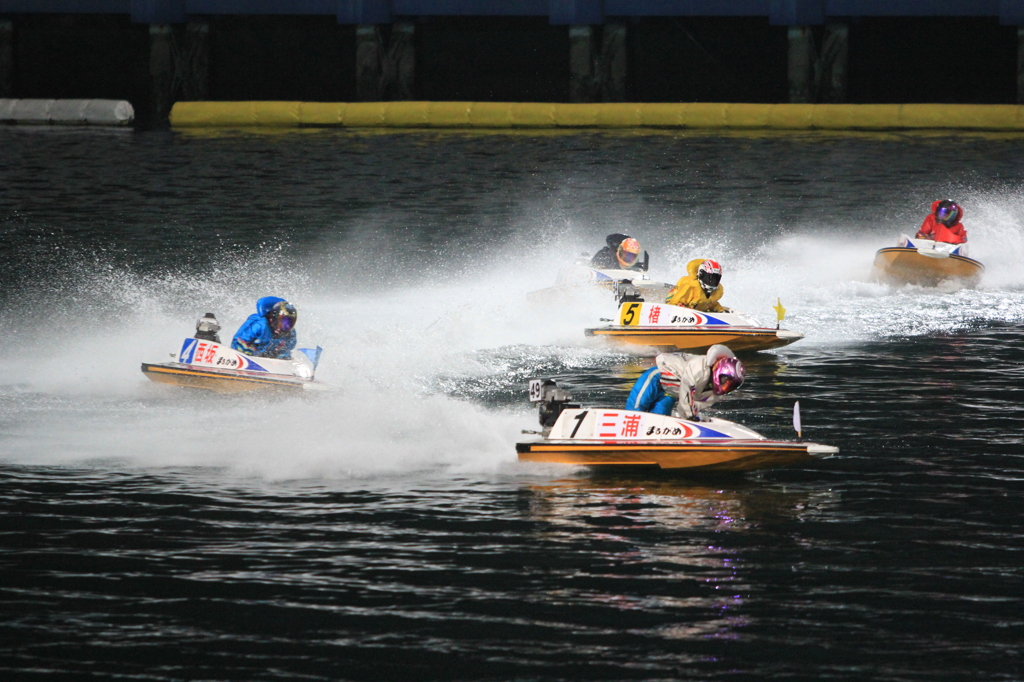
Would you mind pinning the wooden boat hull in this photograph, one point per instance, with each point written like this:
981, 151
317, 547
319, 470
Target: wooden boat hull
220, 381
733, 455
904, 265
737, 339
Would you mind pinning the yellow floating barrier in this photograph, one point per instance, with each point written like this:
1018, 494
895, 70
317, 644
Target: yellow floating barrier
994, 117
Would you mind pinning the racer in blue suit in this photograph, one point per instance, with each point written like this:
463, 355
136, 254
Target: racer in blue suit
680, 384
270, 332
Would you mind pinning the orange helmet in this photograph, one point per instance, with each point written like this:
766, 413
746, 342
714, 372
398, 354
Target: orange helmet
628, 252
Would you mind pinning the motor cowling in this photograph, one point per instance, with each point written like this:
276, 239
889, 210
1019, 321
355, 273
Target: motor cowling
551, 401
207, 328
625, 292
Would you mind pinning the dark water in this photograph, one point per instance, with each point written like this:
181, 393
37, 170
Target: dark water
383, 529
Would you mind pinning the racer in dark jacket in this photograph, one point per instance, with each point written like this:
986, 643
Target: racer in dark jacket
622, 253
943, 224
270, 332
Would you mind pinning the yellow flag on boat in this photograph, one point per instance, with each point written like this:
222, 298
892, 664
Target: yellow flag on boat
780, 312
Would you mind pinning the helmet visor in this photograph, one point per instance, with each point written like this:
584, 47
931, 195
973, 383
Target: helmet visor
727, 375
710, 280
282, 320
627, 257
726, 384
946, 214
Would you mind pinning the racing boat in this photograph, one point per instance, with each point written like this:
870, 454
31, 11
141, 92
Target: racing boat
627, 438
673, 328
927, 263
204, 362
580, 278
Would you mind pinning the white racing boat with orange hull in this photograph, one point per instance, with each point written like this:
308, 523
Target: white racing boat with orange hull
602, 437
673, 328
204, 362
927, 263
580, 278
608, 437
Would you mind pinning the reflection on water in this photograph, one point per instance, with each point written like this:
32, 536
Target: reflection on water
663, 531
634, 500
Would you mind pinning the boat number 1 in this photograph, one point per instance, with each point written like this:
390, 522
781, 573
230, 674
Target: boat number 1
630, 314
579, 422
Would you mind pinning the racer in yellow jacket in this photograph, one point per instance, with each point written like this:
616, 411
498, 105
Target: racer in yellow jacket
699, 289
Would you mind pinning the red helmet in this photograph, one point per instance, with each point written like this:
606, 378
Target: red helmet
628, 252
709, 274
727, 375
947, 213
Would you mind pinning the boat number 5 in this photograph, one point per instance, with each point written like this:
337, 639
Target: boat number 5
630, 315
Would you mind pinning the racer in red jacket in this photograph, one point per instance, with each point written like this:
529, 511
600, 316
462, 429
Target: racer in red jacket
943, 225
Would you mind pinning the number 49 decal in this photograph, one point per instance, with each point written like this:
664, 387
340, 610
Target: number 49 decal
629, 315
536, 390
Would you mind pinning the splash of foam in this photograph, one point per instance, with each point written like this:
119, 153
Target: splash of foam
399, 351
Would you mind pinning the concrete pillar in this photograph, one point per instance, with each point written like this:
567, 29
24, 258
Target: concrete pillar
6, 58
801, 63
400, 65
613, 58
368, 63
161, 70
581, 64
195, 82
1020, 65
834, 57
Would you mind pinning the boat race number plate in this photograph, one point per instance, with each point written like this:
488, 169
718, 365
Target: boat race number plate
629, 316
535, 390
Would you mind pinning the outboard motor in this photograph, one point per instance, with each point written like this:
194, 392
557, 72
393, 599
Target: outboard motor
625, 292
207, 328
552, 400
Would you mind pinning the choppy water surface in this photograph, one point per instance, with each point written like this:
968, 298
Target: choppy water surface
383, 529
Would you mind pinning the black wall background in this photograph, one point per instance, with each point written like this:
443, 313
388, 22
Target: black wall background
492, 60
520, 59
706, 59
81, 56
311, 59
941, 60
